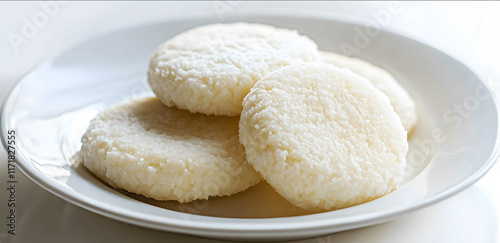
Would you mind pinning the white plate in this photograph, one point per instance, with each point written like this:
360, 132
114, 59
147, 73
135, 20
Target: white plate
453, 145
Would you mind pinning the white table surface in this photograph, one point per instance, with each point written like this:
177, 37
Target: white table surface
467, 31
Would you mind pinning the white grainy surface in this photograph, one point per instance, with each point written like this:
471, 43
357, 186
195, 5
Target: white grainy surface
382, 80
470, 216
164, 153
210, 69
323, 137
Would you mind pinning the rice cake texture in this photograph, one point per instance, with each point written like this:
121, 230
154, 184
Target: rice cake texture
167, 154
210, 69
400, 99
323, 137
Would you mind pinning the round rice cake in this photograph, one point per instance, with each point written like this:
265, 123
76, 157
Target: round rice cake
323, 137
210, 69
167, 154
382, 80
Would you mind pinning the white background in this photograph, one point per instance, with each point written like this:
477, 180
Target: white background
466, 31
